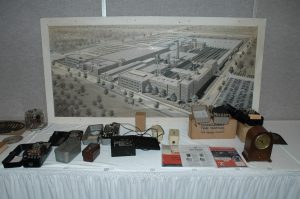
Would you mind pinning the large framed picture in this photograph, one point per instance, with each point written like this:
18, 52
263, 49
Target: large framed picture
116, 66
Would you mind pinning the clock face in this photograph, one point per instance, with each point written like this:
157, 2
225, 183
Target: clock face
262, 141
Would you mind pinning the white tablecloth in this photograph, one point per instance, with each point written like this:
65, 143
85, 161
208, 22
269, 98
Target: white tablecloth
142, 176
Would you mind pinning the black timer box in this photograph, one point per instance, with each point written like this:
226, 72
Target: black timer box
122, 146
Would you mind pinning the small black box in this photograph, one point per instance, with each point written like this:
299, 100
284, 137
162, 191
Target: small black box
122, 146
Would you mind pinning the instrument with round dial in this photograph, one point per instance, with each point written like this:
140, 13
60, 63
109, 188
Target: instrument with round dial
258, 144
262, 141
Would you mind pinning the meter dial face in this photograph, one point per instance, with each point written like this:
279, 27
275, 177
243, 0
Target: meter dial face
262, 141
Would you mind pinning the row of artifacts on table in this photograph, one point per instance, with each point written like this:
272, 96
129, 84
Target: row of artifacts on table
205, 122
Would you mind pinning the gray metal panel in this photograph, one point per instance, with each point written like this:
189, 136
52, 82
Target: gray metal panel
280, 91
21, 62
203, 8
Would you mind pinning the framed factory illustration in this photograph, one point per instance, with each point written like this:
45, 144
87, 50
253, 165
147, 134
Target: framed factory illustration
116, 66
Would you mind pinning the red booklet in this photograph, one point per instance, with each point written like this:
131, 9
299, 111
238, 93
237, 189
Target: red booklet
227, 157
171, 156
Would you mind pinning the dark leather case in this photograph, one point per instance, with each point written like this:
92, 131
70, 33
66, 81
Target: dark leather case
91, 152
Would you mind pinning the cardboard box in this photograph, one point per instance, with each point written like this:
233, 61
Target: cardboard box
140, 121
211, 130
242, 130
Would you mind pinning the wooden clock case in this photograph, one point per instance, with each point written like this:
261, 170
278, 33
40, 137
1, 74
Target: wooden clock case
251, 151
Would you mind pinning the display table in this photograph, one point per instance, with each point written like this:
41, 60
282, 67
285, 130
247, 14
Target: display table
142, 176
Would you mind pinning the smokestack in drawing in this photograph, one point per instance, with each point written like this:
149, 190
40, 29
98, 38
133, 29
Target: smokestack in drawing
177, 49
157, 63
168, 58
194, 42
157, 58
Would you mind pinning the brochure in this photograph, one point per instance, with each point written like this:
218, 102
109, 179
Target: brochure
227, 157
187, 156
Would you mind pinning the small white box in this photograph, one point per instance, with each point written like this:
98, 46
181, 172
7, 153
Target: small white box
174, 137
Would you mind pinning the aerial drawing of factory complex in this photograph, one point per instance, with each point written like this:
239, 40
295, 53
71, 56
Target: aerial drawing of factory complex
173, 67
